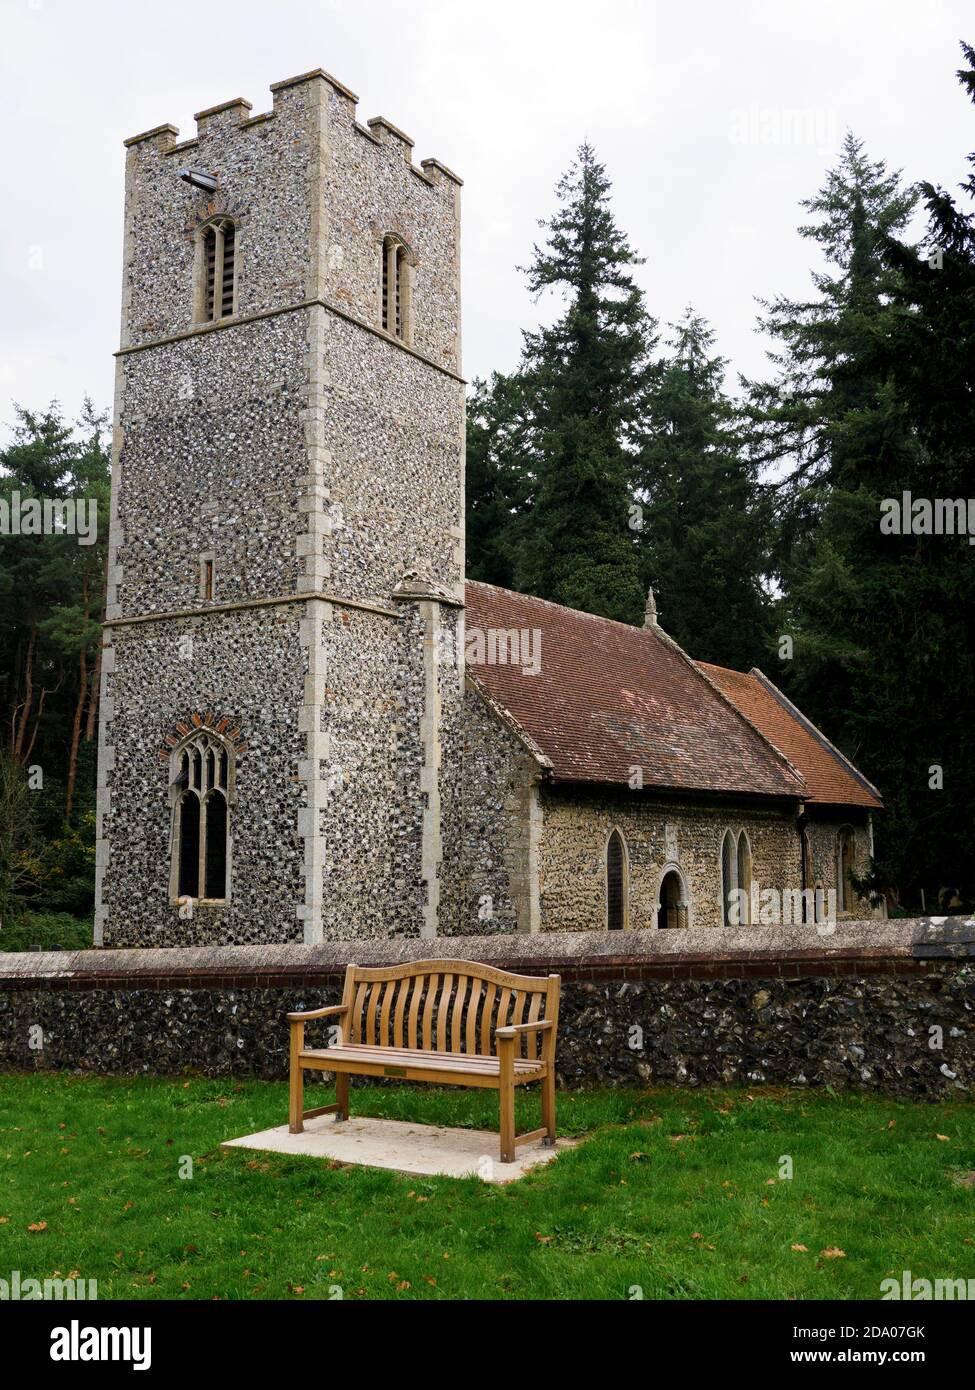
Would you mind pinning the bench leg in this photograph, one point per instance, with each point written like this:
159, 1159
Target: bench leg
548, 1107
342, 1095
506, 1097
297, 1101
296, 1090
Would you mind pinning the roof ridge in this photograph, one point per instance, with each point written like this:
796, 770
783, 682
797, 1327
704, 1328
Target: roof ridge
816, 732
563, 607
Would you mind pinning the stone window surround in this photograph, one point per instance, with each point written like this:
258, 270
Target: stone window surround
208, 557
735, 837
204, 736
846, 896
615, 830
685, 903
200, 316
396, 263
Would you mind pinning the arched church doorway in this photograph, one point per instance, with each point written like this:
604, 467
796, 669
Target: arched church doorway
672, 907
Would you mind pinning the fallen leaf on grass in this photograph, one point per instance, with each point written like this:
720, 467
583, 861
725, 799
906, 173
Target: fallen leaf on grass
945, 1138
832, 1252
36, 1226
803, 1248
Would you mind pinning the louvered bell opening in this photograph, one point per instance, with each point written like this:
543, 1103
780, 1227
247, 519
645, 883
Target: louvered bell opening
399, 293
385, 288
229, 248
210, 245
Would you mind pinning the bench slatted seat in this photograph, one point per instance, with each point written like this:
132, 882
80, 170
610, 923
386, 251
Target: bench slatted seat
451, 1022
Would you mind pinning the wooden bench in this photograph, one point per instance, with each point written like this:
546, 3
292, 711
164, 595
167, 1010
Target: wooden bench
452, 1022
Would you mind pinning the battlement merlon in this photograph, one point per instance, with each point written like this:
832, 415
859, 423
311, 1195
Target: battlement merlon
236, 113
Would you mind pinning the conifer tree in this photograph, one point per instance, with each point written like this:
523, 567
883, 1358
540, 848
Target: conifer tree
498, 475
701, 539
584, 380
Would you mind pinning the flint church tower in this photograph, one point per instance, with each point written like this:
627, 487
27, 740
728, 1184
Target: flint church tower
283, 667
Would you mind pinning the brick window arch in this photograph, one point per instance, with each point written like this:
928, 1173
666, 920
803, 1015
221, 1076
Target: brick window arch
201, 790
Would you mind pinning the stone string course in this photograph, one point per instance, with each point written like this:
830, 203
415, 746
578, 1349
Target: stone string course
854, 1012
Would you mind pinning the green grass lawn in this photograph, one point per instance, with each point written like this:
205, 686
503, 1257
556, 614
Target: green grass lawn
678, 1192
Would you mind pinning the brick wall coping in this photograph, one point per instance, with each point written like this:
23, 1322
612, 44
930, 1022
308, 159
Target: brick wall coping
855, 947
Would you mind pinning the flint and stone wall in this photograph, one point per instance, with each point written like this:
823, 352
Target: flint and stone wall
315, 459
535, 853
882, 1007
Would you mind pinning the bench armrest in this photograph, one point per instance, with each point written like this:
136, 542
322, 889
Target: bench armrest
318, 1013
513, 1029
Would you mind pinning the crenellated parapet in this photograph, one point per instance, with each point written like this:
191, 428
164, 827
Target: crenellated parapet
217, 121
313, 200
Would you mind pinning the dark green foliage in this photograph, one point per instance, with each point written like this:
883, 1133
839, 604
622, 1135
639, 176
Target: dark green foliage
553, 445
51, 606
702, 537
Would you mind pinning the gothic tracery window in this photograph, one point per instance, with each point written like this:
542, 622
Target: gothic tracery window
202, 787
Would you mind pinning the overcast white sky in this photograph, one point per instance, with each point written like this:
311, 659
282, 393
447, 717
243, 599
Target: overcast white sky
681, 100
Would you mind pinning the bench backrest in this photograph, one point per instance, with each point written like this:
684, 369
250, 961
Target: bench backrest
447, 1006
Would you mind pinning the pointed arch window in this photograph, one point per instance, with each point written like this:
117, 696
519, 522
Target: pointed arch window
616, 882
395, 272
845, 860
201, 791
216, 270
736, 879
729, 875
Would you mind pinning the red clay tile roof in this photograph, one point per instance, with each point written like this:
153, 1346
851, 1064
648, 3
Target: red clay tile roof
831, 778
608, 697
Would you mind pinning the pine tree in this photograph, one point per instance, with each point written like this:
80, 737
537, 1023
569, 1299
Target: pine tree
924, 614
499, 474
882, 624
701, 537
583, 380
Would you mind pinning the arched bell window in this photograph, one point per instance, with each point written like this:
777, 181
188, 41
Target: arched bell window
201, 790
216, 270
395, 279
